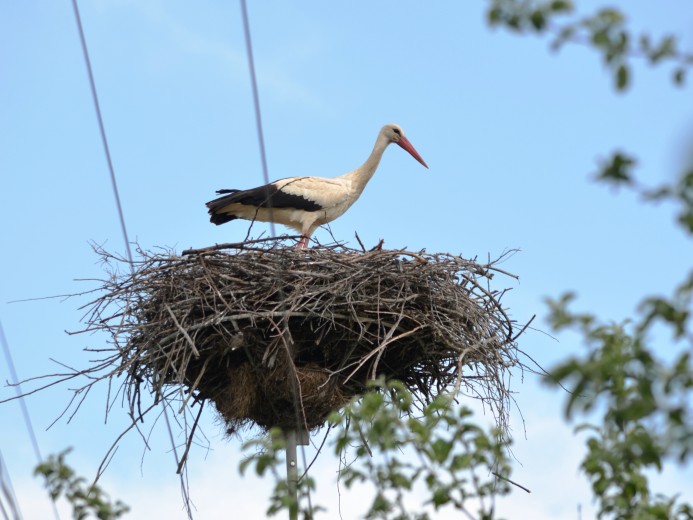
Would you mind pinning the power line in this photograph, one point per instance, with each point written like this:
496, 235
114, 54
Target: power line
114, 186
7, 493
256, 103
102, 130
20, 394
22, 404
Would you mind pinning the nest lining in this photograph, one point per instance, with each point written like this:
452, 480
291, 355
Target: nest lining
275, 336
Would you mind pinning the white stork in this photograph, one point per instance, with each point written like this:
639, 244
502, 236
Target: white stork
305, 203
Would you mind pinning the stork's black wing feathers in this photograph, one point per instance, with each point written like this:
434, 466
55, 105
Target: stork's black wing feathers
269, 195
263, 197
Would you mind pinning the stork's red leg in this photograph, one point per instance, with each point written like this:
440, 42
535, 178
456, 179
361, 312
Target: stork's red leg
303, 243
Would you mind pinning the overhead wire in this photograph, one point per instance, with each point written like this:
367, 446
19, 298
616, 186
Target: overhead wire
20, 395
265, 173
102, 130
256, 105
22, 404
116, 194
7, 494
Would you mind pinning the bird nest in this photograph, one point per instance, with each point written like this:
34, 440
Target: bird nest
276, 336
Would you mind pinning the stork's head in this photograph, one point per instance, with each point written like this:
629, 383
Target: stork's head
395, 134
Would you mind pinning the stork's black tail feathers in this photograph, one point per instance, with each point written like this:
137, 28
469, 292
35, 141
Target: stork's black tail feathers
217, 204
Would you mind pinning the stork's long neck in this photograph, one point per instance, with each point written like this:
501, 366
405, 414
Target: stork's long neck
361, 175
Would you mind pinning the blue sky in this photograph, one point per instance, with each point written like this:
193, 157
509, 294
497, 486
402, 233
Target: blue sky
512, 133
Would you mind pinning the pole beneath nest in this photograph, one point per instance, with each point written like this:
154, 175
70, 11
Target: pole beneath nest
293, 438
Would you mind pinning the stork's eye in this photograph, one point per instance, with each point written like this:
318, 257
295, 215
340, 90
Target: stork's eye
396, 130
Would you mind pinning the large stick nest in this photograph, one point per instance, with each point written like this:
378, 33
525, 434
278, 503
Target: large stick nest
275, 336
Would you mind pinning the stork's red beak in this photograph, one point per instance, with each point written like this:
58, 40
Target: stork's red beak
404, 143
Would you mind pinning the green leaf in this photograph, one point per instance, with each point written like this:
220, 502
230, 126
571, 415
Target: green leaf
381, 504
538, 20
610, 16
461, 461
494, 16
561, 6
686, 220
441, 496
440, 450
617, 170
622, 74
666, 49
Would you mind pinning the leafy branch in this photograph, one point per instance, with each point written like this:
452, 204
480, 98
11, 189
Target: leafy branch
618, 171
605, 31
85, 500
456, 458
645, 401
440, 450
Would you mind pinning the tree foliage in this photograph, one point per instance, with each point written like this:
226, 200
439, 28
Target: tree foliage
605, 31
455, 458
394, 449
645, 400
642, 400
85, 500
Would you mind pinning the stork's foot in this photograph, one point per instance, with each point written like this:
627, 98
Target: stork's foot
303, 243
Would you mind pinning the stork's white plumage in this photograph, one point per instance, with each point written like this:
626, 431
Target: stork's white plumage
305, 203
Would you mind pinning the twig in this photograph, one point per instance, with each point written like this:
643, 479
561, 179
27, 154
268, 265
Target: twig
191, 436
236, 245
358, 238
510, 481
